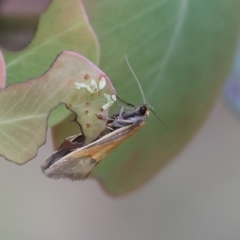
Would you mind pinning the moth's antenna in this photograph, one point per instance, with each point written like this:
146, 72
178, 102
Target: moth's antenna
169, 136
139, 85
144, 100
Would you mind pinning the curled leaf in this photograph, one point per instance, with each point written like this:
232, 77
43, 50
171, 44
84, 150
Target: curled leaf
25, 107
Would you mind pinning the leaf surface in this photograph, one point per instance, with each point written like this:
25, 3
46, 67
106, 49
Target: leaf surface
64, 26
25, 107
182, 52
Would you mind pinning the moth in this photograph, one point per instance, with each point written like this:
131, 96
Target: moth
75, 161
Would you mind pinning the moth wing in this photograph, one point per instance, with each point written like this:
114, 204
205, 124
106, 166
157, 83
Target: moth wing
78, 164
74, 168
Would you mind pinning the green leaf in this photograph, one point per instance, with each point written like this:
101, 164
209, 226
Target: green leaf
64, 26
25, 107
182, 52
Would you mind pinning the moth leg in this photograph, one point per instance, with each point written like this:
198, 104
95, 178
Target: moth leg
129, 104
117, 112
99, 116
111, 129
121, 111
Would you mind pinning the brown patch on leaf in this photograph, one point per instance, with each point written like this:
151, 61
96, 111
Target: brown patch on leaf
86, 76
87, 112
69, 82
99, 116
88, 125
